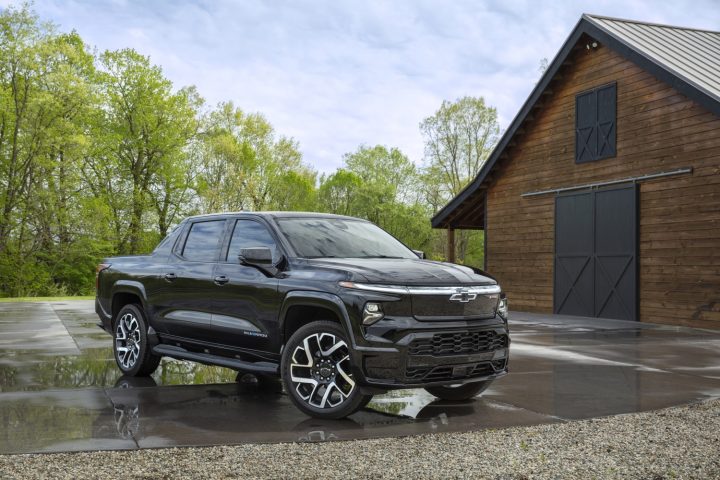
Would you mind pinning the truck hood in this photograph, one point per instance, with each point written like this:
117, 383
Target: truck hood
404, 271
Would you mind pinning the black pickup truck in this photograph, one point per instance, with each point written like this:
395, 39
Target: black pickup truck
334, 305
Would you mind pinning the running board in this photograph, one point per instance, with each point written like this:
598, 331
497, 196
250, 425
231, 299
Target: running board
208, 359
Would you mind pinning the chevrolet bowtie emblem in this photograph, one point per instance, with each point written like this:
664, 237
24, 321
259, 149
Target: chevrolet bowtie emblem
463, 296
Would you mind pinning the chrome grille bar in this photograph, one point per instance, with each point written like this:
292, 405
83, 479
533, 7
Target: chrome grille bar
412, 290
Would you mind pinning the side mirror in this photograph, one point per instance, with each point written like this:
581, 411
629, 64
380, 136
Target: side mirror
419, 253
261, 256
262, 259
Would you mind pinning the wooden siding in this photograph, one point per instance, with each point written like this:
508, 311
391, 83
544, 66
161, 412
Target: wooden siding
658, 129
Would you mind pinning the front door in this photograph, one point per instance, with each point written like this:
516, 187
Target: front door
246, 300
596, 253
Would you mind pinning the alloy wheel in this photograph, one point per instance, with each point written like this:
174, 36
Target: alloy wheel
320, 371
127, 340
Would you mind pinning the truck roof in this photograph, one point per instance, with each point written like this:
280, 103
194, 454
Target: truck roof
276, 214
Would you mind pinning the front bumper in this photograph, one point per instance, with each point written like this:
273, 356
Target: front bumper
406, 353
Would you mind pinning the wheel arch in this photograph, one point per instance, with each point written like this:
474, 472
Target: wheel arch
297, 303
125, 292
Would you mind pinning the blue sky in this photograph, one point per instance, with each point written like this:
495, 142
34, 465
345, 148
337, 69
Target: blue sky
336, 74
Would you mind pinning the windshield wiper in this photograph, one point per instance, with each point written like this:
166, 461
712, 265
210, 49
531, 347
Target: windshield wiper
379, 256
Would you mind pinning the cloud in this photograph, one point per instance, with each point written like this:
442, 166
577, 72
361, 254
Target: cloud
337, 74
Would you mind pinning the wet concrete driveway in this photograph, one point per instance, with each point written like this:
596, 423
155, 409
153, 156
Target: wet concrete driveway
60, 389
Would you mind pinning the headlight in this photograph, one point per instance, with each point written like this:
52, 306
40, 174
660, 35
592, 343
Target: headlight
372, 313
502, 308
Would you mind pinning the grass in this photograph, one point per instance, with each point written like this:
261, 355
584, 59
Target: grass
45, 299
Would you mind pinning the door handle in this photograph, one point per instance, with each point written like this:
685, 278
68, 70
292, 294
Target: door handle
221, 280
170, 277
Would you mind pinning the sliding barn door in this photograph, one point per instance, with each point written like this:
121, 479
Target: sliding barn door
596, 253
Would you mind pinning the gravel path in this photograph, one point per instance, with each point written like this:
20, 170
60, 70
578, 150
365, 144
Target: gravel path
681, 442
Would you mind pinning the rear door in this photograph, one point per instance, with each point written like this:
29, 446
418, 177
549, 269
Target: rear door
187, 305
246, 300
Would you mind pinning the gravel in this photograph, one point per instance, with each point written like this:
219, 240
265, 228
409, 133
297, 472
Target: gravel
681, 442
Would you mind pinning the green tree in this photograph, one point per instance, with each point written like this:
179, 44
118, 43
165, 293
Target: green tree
244, 165
142, 132
46, 93
379, 184
458, 140
339, 191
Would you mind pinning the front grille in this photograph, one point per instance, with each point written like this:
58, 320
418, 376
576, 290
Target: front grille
448, 372
458, 343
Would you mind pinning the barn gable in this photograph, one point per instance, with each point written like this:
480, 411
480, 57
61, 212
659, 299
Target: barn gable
686, 59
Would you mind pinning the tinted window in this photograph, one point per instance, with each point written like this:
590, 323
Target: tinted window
341, 238
167, 244
203, 241
248, 234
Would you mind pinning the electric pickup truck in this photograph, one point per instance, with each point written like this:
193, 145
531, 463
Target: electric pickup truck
334, 306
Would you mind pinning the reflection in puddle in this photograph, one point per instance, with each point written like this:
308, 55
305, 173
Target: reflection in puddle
407, 403
250, 410
94, 368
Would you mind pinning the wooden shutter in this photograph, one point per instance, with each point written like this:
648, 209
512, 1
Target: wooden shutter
586, 127
595, 124
606, 101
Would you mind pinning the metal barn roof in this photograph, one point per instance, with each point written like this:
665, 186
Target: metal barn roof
691, 54
688, 59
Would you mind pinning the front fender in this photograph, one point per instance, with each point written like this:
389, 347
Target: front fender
317, 299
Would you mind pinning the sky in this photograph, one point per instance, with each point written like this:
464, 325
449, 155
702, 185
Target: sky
337, 74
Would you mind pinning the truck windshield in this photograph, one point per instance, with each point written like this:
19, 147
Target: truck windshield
341, 238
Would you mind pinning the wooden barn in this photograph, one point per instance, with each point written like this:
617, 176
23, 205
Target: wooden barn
602, 198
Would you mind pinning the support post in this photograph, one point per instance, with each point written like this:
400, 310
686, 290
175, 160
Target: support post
451, 245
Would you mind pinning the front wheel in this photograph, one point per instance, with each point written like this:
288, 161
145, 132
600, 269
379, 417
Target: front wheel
459, 392
133, 354
316, 370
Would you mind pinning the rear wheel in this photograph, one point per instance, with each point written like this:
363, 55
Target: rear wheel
459, 392
316, 370
133, 354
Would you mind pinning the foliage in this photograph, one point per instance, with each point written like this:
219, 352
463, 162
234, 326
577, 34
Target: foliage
142, 131
458, 140
46, 95
244, 165
380, 185
100, 154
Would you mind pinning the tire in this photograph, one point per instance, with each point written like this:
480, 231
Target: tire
459, 392
132, 352
319, 381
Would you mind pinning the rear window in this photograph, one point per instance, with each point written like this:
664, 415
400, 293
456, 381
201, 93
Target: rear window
203, 241
166, 246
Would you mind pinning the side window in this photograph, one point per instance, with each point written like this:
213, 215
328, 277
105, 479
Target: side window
166, 246
247, 234
203, 241
595, 124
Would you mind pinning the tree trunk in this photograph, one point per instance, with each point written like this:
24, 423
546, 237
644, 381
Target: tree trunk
136, 220
451, 245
